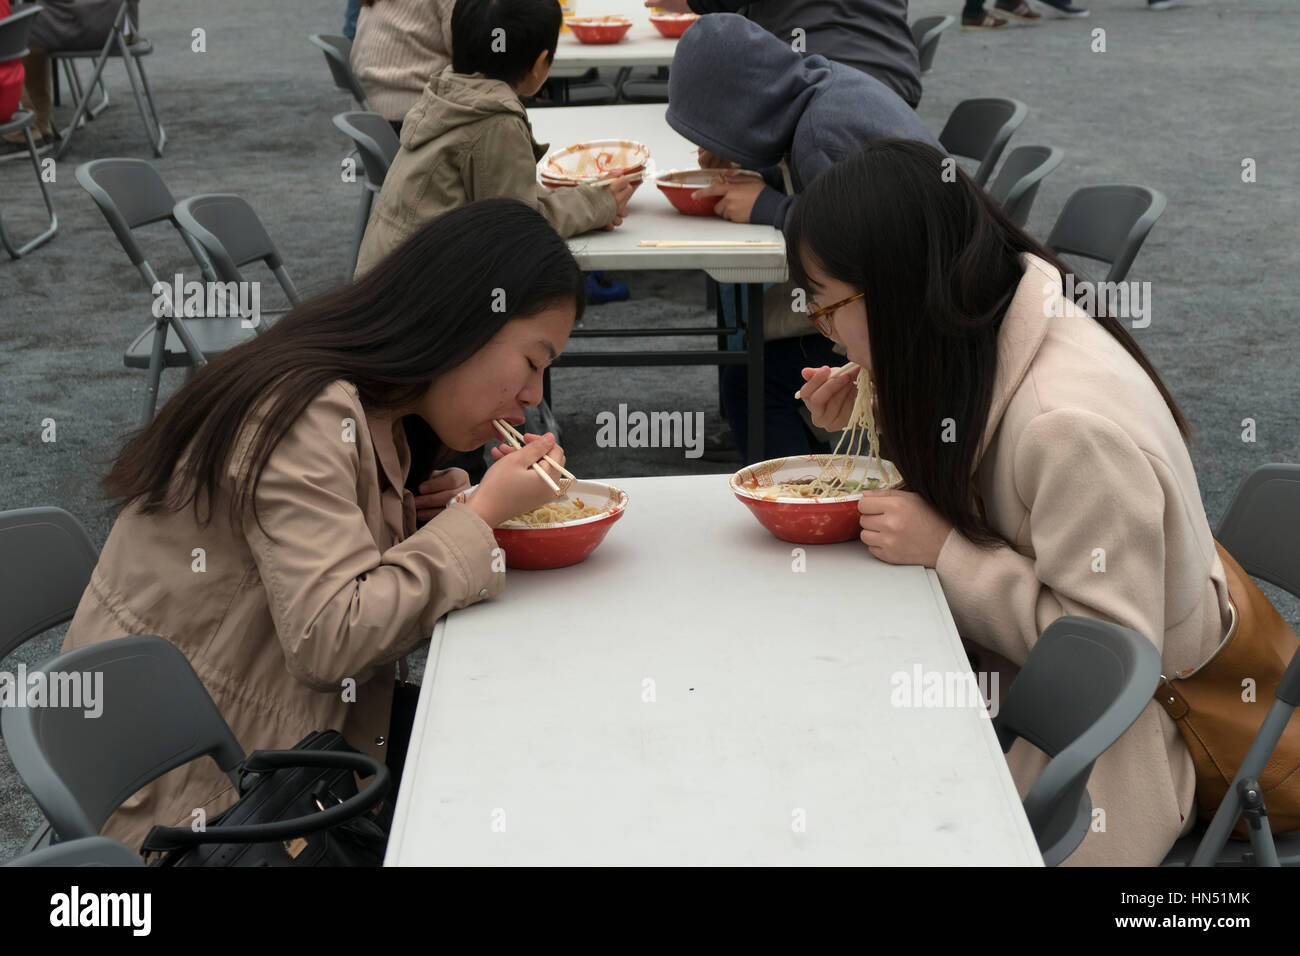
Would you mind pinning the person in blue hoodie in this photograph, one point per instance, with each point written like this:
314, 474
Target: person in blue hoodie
747, 99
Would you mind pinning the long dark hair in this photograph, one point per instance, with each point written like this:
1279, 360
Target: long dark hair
939, 263
426, 308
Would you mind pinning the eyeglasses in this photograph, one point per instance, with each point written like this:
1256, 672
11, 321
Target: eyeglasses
824, 318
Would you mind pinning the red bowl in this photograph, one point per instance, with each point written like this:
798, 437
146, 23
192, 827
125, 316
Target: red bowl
804, 520
609, 29
673, 25
678, 184
564, 544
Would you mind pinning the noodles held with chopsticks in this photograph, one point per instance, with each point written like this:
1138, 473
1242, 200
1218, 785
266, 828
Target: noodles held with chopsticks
836, 476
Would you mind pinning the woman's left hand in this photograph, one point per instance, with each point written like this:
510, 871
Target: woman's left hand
435, 493
899, 527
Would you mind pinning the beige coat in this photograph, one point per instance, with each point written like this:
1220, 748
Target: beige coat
469, 138
1080, 453
274, 628
398, 46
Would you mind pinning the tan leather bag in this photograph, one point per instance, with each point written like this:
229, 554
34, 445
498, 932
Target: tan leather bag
1218, 725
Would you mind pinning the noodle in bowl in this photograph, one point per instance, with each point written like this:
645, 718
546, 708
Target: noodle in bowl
808, 519
561, 543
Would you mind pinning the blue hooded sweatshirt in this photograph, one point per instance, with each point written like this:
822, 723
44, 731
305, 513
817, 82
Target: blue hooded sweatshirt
748, 97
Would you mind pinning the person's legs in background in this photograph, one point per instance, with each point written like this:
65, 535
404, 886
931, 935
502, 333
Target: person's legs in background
784, 431
973, 17
36, 97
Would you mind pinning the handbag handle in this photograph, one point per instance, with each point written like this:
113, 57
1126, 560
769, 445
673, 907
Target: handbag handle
260, 761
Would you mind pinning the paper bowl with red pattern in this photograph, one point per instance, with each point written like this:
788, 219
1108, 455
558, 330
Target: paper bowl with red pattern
673, 25
593, 161
806, 520
606, 29
568, 542
678, 184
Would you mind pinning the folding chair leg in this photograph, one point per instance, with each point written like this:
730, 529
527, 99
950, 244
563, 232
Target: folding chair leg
16, 251
83, 100
131, 64
157, 135
74, 84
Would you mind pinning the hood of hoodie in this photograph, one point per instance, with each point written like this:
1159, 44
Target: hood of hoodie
757, 89
452, 100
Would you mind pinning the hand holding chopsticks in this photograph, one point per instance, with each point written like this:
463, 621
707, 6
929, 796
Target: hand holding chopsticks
835, 373
511, 436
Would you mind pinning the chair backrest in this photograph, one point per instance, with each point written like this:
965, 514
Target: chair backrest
926, 33
979, 129
338, 57
1017, 182
1261, 528
145, 712
1109, 223
14, 30
131, 194
91, 851
45, 562
231, 235
1084, 684
375, 140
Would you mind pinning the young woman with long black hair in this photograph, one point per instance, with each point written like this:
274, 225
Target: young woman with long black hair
270, 513
1044, 461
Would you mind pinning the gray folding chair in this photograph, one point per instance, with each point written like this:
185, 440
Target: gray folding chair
1261, 530
1017, 182
1108, 223
90, 851
1084, 684
155, 715
378, 145
45, 562
13, 46
131, 195
926, 33
980, 129
231, 236
122, 42
338, 57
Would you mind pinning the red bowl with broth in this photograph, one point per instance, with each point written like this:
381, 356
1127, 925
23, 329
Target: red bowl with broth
597, 30
568, 542
806, 520
678, 184
673, 25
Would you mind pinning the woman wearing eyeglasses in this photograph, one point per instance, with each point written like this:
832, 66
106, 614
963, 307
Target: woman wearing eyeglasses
1044, 461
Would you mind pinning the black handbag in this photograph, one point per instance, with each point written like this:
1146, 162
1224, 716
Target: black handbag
298, 807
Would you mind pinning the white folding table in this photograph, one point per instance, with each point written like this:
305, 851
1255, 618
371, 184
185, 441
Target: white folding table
686, 696
652, 217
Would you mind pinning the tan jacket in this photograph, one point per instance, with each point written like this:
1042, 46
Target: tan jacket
469, 138
274, 628
398, 46
1081, 456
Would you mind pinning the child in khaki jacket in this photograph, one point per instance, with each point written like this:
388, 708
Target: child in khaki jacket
469, 137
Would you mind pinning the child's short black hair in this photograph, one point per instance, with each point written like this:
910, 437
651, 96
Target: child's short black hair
503, 38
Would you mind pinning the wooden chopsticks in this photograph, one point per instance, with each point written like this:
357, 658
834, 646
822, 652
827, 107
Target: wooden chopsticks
694, 243
842, 370
511, 436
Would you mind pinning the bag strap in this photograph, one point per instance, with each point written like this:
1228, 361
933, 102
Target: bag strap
260, 761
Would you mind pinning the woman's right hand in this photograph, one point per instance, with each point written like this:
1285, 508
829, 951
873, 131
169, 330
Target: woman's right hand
709, 161
511, 487
830, 400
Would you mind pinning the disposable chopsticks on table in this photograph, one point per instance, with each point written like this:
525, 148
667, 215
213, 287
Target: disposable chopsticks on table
842, 370
692, 243
512, 437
